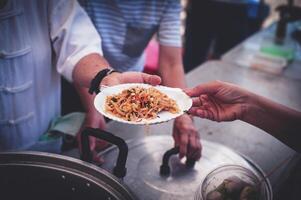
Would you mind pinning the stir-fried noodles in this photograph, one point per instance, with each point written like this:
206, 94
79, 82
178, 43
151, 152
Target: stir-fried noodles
137, 103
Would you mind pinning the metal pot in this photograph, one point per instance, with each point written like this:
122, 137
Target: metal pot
155, 172
37, 175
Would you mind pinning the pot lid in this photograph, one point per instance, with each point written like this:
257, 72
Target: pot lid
145, 158
38, 175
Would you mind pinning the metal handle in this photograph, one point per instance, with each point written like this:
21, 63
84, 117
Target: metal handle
165, 169
288, 13
119, 169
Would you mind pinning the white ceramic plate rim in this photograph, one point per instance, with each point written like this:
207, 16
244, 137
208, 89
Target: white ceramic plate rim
184, 102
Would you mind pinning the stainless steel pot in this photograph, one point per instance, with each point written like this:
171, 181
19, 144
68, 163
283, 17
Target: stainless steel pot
37, 175
155, 172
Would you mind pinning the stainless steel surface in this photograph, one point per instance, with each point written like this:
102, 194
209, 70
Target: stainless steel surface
144, 160
255, 144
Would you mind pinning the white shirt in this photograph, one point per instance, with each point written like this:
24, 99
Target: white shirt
38, 39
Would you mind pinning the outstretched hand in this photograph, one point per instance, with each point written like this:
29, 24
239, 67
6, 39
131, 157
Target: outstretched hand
218, 101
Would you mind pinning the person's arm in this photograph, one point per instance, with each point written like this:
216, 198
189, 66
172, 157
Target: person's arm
170, 49
77, 47
84, 71
171, 68
220, 101
78, 55
89, 66
172, 73
278, 120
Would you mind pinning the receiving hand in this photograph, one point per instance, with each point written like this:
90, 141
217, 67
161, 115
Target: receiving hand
218, 101
186, 137
130, 77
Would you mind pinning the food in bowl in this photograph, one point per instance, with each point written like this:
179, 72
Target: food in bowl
138, 103
234, 182
235, 189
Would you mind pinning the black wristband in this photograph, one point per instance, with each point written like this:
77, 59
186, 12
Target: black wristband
94, 85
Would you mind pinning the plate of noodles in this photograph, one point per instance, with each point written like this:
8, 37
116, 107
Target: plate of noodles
134, 103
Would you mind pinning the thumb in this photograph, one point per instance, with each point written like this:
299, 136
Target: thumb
138, 77
210, 88
151, 79
92, 143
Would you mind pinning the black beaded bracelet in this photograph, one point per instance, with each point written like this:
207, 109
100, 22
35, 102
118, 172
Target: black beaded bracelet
94, 85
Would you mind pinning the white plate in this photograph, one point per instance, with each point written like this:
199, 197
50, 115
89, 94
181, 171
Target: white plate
184, 102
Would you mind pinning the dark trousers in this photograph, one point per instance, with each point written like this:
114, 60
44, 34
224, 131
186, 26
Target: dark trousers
70, 99
215, 24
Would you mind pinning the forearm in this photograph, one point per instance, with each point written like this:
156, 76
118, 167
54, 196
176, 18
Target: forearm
171, 68
87, 68
86, 98
172, 76
278, 120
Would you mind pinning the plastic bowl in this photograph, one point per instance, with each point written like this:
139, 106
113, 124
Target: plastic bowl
230, 172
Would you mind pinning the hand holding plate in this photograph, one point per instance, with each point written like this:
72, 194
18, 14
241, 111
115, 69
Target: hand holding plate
130, 77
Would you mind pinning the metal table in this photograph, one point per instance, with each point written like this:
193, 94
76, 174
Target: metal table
250, 141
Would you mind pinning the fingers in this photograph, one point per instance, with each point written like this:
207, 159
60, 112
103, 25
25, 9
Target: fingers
183, 142
186, 137
92, 143
194, 147
176, 136
189, 145
199, 112
94, 121
96, 158
204, 113
200, 101
180, 137
138, 77
196, 102
101, 145
206, 88
151, 79
205, 106
200, 106
112, 79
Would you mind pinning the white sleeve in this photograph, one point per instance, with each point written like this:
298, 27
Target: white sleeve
72, 34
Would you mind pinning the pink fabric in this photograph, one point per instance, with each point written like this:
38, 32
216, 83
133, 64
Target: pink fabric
152, 57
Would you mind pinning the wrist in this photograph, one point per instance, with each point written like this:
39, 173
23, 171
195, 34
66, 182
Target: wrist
185, 118
106, 80
252, 108
93, 119
98, 79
